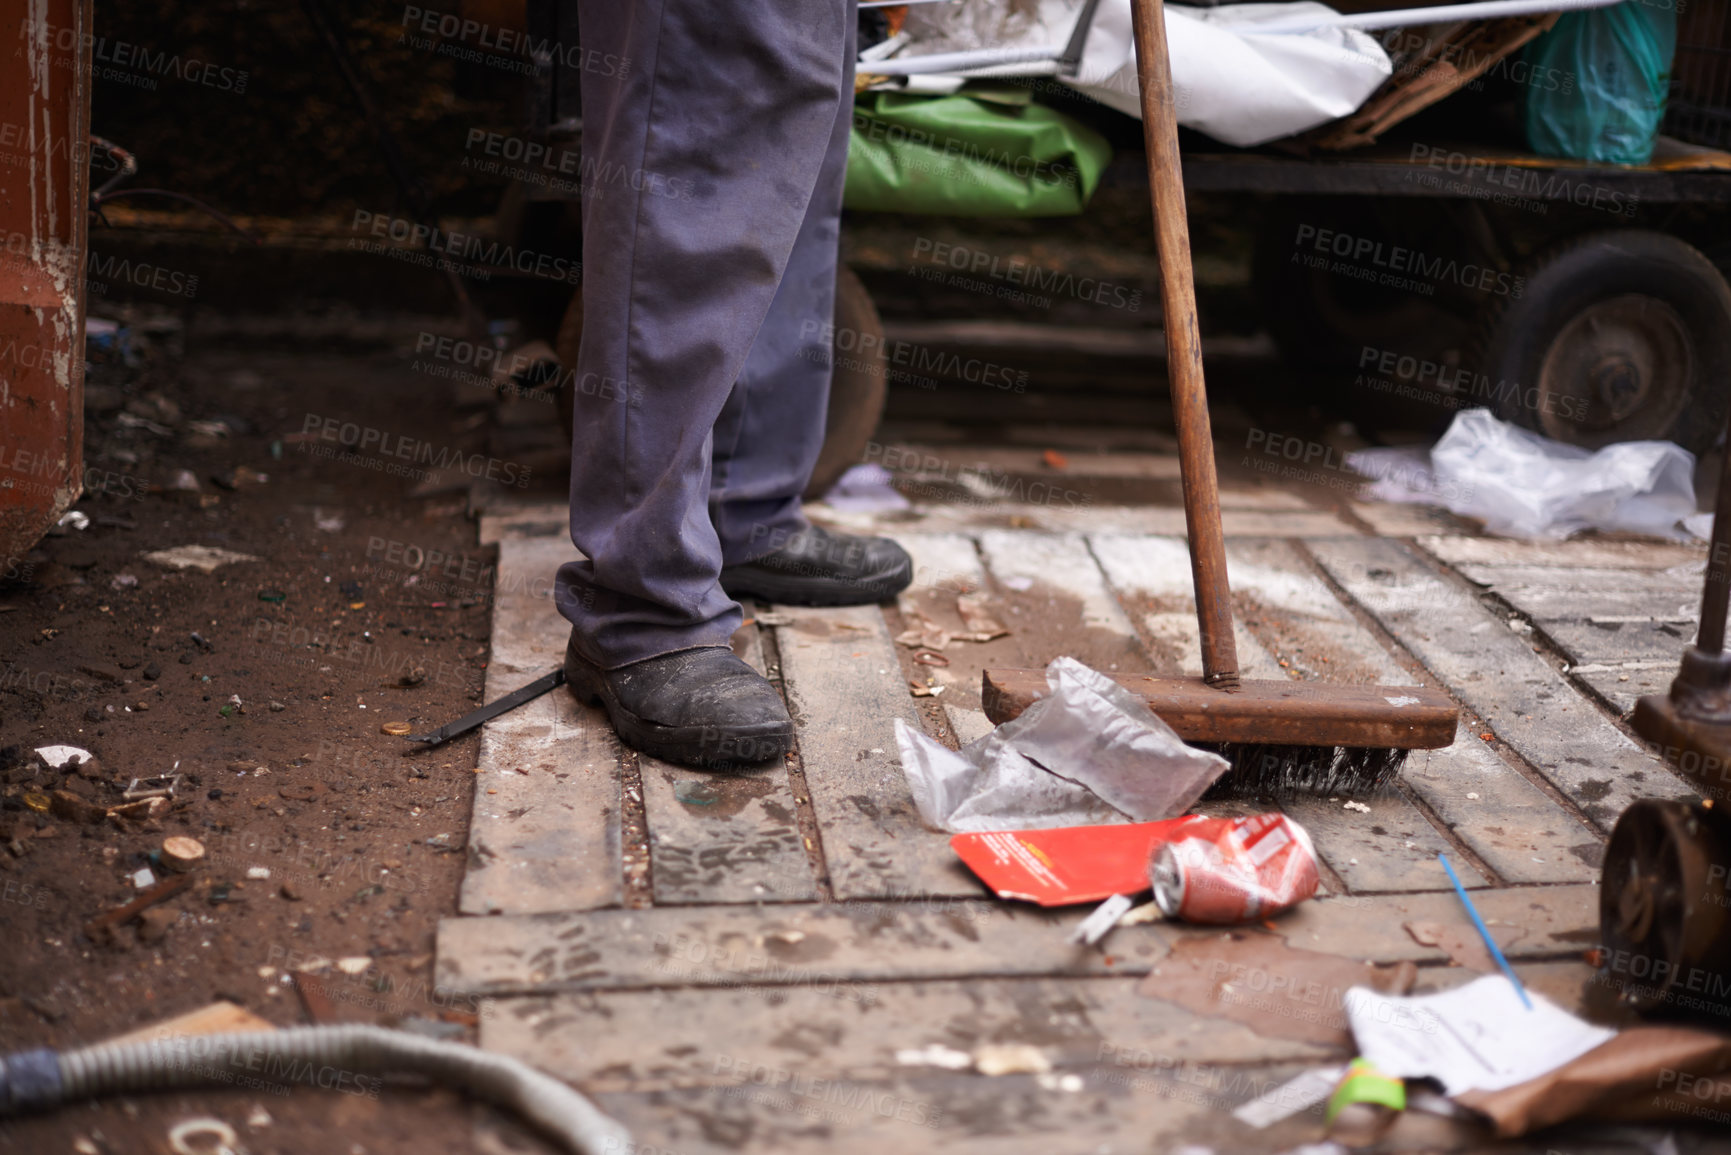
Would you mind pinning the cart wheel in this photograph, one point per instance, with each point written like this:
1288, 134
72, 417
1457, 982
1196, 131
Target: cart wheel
856, 388
1617, 336
856, 392
1658, 915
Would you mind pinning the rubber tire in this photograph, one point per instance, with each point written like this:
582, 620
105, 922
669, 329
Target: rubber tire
856, 392
1517, 333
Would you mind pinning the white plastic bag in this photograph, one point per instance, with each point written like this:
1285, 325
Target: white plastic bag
1090, 752
1523, 485
1241, 89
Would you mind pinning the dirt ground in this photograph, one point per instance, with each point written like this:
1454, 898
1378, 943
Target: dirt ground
331, 847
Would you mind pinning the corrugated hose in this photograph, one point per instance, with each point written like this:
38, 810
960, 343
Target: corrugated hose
37, 1080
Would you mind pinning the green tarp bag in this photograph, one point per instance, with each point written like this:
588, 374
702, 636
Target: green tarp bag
970, 154
1599, 81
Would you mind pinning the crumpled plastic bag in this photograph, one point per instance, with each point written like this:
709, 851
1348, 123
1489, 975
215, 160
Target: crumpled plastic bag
1523, 485
1238, 87
1615, 64
1088, 753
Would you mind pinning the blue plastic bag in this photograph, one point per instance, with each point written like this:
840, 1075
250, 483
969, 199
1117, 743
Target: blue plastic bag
1611, 69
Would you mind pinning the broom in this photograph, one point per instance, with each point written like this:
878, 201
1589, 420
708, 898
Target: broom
1279, 736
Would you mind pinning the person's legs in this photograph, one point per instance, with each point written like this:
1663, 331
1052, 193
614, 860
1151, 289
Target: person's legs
700, 159
770, 432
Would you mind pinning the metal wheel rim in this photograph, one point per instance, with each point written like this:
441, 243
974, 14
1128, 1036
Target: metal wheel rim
1628, 360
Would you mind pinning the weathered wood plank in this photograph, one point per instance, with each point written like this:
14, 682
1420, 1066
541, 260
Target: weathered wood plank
1619, 684
1058, 601
1521, 697
1061, 518
1152, 574
943, 1112
1607, 641
544, 835
1568, 555
1508, 822
724, 837
845, 689
821, 945
638, 1040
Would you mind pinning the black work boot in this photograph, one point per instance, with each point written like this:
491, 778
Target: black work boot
702, 707
818, 568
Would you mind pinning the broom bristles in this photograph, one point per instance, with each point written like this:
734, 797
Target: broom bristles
1268, 771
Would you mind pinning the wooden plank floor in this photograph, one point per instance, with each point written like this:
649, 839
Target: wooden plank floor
755, 995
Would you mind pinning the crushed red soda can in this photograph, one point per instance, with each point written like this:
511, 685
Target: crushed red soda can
1227, 870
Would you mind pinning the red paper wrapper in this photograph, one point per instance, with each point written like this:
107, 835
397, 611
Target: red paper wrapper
1066, 864
1227, 870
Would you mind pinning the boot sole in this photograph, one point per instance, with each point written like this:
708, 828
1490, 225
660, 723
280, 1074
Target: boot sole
699, 747
793, 590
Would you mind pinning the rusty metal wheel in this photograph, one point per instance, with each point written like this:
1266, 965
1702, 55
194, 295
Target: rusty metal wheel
1616, 336
1662, 907
1625, 363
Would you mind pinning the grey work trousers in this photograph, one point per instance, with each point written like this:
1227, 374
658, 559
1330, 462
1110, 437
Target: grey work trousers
714, 150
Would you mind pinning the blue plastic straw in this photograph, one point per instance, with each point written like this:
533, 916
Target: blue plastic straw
1484, 932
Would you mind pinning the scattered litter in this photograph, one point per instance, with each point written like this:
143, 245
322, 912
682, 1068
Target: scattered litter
1364, 1106
921, 633
156, 786
865, 489
1106, 916
63, 757
1010, 1059
1523, 485
1358, 806
180, 853
1055, 460
1299, 1093
1660, 1073
258, 1117
327, 521
936, 1055
1473, 794
395, 729
1484, 931
977, 617
200, 557
1018, 583
354, 964
123, 581
143, 879
1068, 1084
1147, 912
1227, 870
213, 1137
1088, 753
922, 690
258, 873
75, 518
928, 658
772, 619
1475, 1037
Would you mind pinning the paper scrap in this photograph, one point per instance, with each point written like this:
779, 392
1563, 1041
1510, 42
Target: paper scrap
1296, 1094
1475, 1038
1093, 928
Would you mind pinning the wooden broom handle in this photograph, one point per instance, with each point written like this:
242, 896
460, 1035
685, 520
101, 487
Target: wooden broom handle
1184, 349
